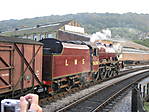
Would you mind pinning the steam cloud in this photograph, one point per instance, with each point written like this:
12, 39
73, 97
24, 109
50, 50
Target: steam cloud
105, 34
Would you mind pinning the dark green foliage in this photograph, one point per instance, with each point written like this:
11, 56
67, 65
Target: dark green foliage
144, 42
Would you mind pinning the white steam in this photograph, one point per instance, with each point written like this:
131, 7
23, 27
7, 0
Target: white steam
105, 34
118, 48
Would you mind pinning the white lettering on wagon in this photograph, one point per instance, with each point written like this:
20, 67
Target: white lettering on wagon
4, 75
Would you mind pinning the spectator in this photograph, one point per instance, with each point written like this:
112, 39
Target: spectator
33, 99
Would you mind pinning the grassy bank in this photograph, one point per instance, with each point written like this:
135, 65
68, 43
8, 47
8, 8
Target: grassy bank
146, 106
143, 42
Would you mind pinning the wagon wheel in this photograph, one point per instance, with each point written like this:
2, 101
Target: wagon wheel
82, 82
55, 87
70, 83
68, 88
80, 85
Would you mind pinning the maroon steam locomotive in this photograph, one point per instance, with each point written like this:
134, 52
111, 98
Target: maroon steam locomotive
51, 65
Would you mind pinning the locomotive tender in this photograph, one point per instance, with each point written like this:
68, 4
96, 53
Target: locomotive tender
27, 65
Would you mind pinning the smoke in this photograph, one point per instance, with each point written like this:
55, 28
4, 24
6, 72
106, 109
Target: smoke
105, 34
117, 47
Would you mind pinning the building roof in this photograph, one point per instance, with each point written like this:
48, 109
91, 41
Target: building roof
130, 44
46, 28
18, 40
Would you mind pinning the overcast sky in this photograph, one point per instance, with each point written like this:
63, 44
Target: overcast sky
19, 9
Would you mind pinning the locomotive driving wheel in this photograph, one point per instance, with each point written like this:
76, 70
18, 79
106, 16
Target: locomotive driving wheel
103, 73
96, 76
110, 72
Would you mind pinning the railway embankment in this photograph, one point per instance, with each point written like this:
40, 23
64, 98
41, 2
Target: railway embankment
136, 99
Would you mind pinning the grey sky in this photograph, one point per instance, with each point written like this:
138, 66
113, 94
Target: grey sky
19, 9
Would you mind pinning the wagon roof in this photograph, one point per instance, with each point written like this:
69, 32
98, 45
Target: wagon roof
18, 40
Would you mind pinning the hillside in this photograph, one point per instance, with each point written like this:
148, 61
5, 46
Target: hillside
128, 25
143, 42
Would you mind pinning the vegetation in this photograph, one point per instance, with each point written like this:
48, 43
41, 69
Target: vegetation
125, 33
129, 25
146, 106
144, 42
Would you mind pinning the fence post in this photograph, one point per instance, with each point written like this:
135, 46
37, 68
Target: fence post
143, 91
148, 89
140, 89
134, 106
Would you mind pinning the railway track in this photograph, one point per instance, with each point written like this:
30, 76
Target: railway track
97, 100
50, 100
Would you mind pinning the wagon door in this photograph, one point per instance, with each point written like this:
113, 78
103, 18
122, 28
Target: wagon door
6, 67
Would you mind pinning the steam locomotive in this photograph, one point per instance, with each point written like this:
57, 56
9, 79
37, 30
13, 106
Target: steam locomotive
51, 65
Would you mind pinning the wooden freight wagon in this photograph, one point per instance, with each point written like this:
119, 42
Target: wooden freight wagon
20, 65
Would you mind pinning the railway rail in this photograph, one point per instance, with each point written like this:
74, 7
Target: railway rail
97, 100
56, 96
59, 96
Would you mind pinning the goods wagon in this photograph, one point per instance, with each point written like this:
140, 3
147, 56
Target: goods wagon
20, 65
